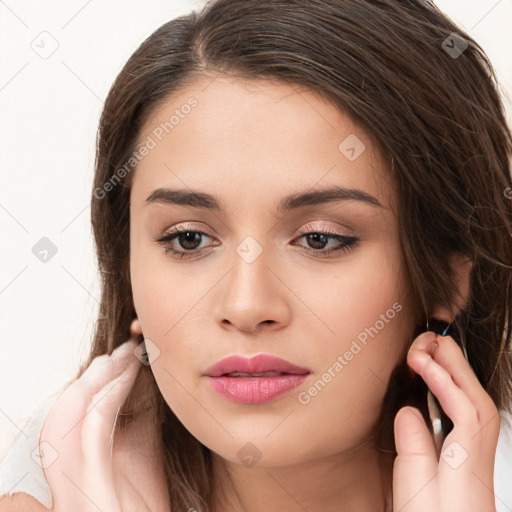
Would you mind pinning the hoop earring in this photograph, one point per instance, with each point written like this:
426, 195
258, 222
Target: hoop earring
444, 331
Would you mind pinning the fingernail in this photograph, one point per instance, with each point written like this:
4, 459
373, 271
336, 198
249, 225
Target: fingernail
433, 347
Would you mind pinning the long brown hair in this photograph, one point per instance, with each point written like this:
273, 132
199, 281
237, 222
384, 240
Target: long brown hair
430, 99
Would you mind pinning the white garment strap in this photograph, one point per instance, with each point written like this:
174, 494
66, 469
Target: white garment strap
19, 470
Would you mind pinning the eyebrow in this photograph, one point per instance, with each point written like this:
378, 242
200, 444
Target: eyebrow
198, 199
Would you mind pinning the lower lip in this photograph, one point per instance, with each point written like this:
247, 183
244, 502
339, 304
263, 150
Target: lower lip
255, 390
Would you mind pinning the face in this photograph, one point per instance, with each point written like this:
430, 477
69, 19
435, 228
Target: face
317, 281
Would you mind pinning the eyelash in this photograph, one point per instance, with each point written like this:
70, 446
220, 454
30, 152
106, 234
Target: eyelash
348, 242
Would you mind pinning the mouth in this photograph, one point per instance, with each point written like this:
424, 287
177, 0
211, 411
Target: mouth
258, 374
260, 379
261, 365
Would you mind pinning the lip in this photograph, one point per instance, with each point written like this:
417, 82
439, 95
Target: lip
257, 364
259, 388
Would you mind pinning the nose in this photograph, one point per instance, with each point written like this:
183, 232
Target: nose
252, 296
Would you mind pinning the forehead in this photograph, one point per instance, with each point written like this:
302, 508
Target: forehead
226, 135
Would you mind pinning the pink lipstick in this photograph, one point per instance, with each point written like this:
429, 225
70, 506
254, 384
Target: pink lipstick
254, 380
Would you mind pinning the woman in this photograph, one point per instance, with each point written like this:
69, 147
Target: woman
303, 222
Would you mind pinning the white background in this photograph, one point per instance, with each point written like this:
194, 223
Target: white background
49, 111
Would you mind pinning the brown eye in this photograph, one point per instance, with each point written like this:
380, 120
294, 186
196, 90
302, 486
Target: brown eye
182, 243
318, 240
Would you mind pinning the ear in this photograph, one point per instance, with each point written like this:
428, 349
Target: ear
461, 267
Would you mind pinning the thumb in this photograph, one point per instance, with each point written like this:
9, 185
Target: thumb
416, 467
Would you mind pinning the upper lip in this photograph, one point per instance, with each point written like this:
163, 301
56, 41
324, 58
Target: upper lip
256, 364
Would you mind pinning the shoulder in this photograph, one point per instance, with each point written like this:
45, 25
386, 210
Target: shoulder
21, 502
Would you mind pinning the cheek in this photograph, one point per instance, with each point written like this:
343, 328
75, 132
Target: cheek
164, 301
368, 331
362, 332
174, 309
364, 293
164, 292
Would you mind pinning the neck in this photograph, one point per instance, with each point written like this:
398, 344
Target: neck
360, 480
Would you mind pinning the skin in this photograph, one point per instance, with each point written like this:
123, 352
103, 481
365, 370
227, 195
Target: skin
288, 302
223, 309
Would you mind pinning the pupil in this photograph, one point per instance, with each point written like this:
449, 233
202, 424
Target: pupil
318, 240
189, 237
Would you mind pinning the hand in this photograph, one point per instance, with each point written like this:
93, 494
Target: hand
462, 480
78, 431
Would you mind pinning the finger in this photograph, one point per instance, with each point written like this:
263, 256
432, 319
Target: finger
61, 445
98, 424
106, 369
453, 400
107, 393
415, 468
450, 356
467, 458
